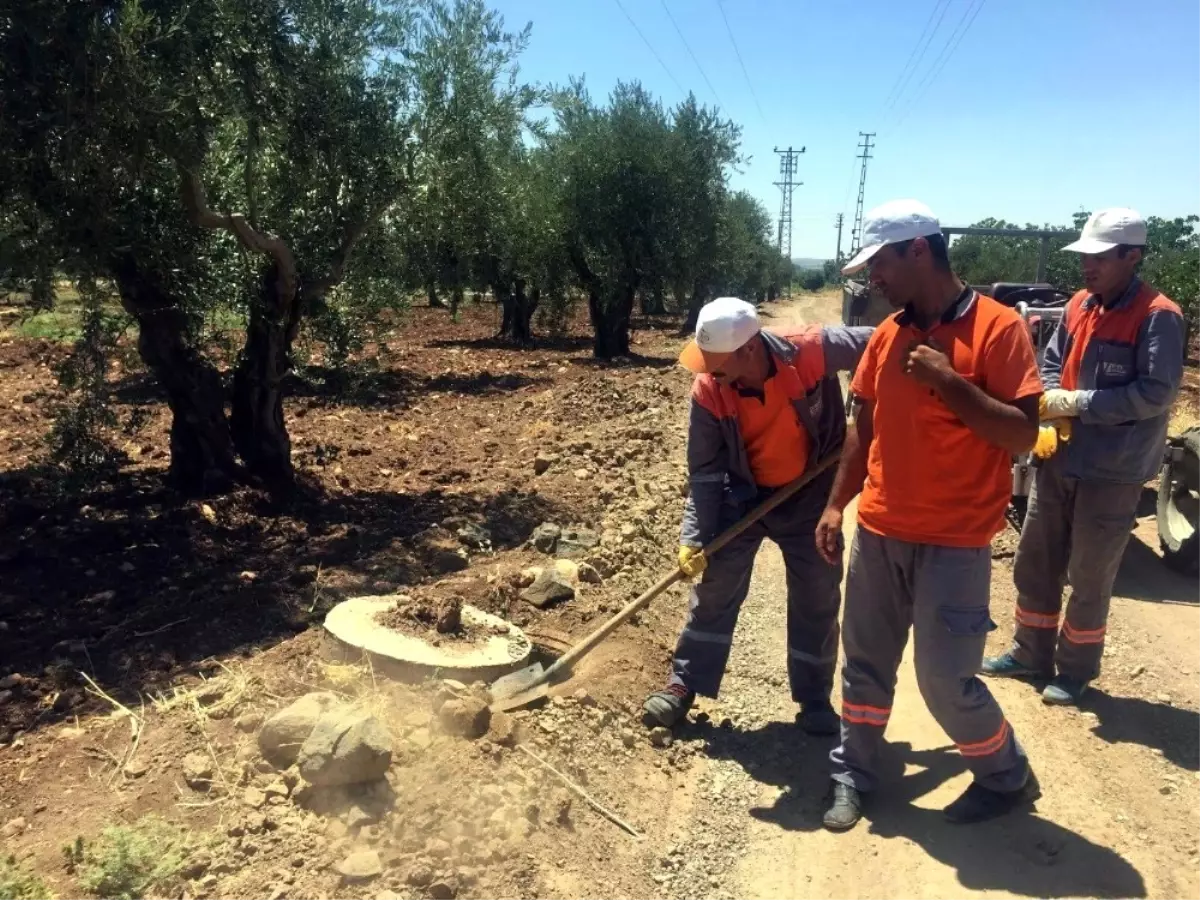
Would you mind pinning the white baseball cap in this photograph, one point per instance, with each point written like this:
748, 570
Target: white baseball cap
724, 325
891, 223
1108, 228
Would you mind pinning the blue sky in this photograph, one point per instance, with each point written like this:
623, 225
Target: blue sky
1043, 107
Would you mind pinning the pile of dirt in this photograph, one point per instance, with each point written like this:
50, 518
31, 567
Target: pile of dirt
435, 619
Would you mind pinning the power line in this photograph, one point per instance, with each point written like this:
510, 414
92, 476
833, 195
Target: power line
787, 184
688, 47
856, 231
650, 47
838, 225
738, 54
906, 72
960, 31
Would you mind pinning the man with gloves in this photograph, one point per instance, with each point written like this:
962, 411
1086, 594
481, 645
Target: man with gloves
1112, 372
766, 405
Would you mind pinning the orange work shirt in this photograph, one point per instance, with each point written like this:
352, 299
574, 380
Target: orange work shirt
930, 479
776, 441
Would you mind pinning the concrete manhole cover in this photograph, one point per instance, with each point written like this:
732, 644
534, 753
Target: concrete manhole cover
354, 634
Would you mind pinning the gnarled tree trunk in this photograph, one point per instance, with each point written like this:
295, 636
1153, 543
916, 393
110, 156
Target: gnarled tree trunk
610, 317
518, 308
259, 432
202, 450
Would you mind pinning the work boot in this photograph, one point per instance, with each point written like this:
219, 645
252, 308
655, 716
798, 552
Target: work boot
845, 808
1007, 666
818, 718
1064, 691
668, 706
978, 804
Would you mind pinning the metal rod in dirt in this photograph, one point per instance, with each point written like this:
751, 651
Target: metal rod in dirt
592, 801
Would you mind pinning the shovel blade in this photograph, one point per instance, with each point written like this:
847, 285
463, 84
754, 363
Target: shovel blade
516, 682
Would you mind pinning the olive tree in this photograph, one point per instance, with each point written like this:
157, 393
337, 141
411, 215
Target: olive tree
216, 152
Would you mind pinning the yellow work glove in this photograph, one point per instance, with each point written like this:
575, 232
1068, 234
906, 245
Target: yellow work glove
1049, 437
1047, 442
692, 561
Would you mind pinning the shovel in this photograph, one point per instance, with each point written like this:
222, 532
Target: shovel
528, 685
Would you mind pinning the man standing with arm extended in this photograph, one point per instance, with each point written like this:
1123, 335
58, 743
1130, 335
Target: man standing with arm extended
947, 392
1113, 370
766, 405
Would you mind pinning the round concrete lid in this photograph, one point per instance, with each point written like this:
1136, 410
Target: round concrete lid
355, 635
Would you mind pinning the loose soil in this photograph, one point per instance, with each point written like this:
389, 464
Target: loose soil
194, 619
435, 619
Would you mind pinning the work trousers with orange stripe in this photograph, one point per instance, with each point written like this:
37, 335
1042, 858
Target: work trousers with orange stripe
813, 598
1077, 531
941, 593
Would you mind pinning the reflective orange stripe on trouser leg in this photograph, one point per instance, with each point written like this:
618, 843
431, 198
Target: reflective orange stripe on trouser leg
860, 714
1030, 619
994, 744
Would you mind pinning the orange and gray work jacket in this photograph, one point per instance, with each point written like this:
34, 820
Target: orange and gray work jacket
1127, 358
807, 361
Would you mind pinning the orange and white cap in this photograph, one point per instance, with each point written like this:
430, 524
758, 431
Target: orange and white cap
724, 325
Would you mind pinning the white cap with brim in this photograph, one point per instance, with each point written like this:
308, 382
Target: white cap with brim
891, 223
722, 327
1110, 228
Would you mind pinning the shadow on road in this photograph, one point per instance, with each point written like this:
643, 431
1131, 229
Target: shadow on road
1144, 576
1132, 720
1021, 853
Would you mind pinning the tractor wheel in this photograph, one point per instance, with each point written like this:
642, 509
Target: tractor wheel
1179, 504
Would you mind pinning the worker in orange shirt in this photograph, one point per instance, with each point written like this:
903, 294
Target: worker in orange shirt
766, 405
1113, 370
947, 391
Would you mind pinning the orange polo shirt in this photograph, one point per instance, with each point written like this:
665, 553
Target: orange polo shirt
776, 441
930, 479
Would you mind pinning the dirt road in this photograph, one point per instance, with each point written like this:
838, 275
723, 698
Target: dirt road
1121, 809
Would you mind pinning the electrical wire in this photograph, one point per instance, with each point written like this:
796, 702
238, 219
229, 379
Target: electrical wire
688, 47
910, 66
650, 47
738, 54
960, 31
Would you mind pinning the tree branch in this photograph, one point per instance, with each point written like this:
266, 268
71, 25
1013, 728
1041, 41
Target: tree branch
337, 269
201, 216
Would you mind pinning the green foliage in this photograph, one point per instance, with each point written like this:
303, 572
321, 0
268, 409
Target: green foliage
129, 861
18, 884
1172, 260
77, 439
812, 279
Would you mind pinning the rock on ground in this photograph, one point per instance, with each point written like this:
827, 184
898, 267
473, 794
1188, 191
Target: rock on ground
576, 542
504, 730
545, 537
551, 586
345, 748
362, 865
284, 733
467, 717
198, 771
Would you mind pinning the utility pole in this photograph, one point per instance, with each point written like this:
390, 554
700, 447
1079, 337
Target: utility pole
787, 183
838, 226
856, 231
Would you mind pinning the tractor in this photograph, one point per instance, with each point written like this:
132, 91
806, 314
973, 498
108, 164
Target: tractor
1042, 307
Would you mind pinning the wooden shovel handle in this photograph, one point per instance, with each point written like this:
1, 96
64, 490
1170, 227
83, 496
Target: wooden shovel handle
585, 646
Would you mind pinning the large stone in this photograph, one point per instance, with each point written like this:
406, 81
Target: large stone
467, 717
361, 866
543, 461
345, 748
588, 573
198, 771
504, 730
548, 588
575, 543
545, 537
284, 733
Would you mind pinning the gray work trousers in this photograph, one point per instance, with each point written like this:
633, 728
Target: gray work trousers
942, 594
813, 599
1074, 530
